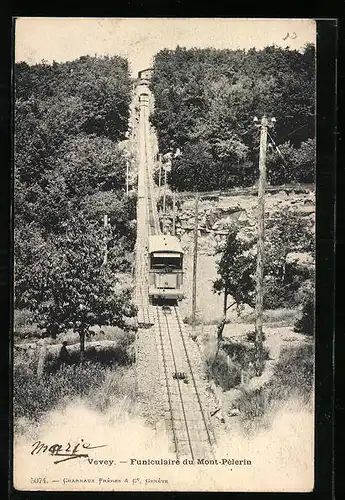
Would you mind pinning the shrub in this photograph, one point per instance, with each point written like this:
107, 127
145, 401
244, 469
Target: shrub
292, 378
107, 356
250, 336
22, 317
34, 395
293, 373
24, 326
224, 372
306, 323
188, 320
224, 365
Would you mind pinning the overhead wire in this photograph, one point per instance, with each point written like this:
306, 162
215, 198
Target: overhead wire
283, 158
296, 130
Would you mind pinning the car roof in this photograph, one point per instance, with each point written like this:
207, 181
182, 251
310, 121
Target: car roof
164, 243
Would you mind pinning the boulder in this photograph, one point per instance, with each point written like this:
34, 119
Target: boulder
301, 260
306, 210
226, 222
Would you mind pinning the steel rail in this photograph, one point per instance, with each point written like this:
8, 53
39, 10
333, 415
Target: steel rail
174, 430
193, 378
179, 387
174, 352
152, 208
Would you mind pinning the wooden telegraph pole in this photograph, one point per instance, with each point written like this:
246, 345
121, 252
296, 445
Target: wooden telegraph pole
195, 260
174, 214
261, 242
127, 175
167, 168
160, 174
165, 188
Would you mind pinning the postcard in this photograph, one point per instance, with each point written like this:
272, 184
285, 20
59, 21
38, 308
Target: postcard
164, 254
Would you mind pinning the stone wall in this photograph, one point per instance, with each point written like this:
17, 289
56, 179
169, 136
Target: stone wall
218, 214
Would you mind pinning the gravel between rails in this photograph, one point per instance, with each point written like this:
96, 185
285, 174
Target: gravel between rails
151, 383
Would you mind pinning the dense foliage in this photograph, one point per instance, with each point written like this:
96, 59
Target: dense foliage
205, 102
70, 164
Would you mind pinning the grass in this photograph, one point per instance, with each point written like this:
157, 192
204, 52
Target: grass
225, 365
116, 385
107, 356
34, 395
24, 327
275, 317
105, 375
292, 379
99, 385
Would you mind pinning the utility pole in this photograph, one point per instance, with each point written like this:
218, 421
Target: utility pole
174, 214
165, 188
160, 175
167, 168
127, 175
265, 123
195, 260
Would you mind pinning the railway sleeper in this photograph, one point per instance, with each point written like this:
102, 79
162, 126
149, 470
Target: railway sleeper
198, 435
184, 448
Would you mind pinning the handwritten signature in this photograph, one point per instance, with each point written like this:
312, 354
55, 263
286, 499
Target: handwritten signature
67, 451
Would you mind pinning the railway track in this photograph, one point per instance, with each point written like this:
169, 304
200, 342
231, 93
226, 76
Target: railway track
145, 316
186, 420
152, 215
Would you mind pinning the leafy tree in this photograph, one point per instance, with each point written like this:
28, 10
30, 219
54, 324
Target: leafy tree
236, 269
283, 281
68, 286
97, 91
205, 101
295, 164
69, 173
287, 233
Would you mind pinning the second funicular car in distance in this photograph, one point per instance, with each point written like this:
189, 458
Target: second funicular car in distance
165, 265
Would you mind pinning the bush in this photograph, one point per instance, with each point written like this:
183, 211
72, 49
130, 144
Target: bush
108, 356
250, 336
24, 326
292, 378
226, 374
294, 373
224, 365
22, 317
306, 323
34, 395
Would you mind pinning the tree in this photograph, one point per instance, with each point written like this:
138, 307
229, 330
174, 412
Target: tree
205, 101
284, 280
68, 287
286, 233
69, 118
236, 269
291, 164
